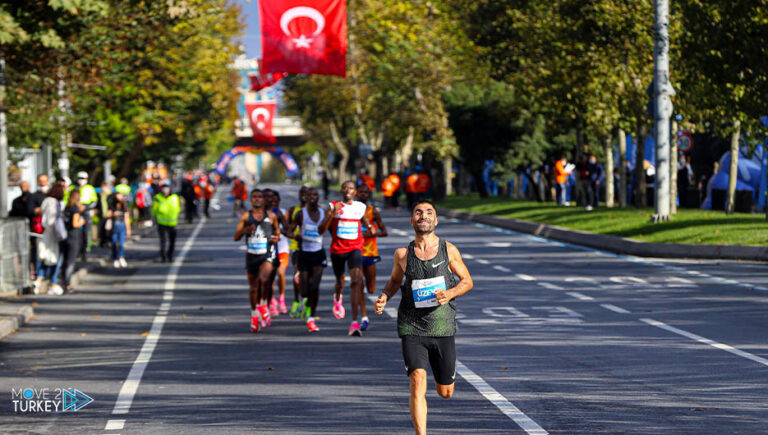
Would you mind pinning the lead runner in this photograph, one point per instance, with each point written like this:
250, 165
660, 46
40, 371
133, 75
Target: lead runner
426, 318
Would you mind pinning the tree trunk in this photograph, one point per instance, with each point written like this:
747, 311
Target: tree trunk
536, 187
641, 197
447, 172
407, 149
343, 174
608, 173
733, 172
673, 171
662, 93
131, 157
622, 168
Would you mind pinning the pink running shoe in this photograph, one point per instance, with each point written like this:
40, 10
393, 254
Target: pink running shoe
254, 324
338, 309
273, 311
281, 305
354, 329
266, 320
312, 326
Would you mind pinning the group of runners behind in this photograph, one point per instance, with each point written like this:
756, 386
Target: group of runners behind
274, 235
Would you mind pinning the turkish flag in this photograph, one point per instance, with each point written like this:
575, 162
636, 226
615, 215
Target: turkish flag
261, 116
304, 36
264, 80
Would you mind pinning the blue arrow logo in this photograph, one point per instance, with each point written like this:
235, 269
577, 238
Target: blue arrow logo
74, 399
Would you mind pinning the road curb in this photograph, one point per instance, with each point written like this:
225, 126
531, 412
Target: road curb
13, 316
616, 244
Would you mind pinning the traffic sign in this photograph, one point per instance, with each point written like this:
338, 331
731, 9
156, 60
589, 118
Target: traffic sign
684, 141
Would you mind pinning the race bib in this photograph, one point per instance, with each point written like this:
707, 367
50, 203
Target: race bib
424, 291
311, 235
257, 244
348, 230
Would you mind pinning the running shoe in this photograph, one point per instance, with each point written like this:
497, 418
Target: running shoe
123, 263
266, 320
338, 309
306, 314
354, 329
312, 326
254, 324
281, 305
364, 323
294, 310
273, 311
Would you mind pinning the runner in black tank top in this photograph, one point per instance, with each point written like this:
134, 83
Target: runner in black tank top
261, 229
426, 318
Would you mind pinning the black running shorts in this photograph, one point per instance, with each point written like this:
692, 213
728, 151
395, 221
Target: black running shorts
351, 259
308, 260
437, 352
253, 262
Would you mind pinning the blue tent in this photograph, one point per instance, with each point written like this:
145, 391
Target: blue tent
751, 176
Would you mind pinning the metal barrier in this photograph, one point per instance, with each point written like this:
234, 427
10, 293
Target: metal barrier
14, 256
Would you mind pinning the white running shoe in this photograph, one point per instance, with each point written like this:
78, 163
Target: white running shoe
123, 263
116, 263
56, 290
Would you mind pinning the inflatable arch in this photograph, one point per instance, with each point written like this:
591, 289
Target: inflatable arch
291, 168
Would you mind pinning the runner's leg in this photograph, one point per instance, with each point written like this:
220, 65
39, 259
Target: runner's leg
418, 401
356, 286
314, 288
253, 290
370, 277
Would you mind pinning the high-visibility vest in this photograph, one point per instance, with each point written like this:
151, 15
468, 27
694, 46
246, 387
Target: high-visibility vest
423, 183
387, 188
410, 183
395, 180
123, 188
166, 209
88, 194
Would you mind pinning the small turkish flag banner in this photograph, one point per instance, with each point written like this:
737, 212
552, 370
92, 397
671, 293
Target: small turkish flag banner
264, 80
261, 116
304, 36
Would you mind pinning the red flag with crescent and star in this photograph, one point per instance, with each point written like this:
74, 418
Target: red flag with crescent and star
304, 36
261, 116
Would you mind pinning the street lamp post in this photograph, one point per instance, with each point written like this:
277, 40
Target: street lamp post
662, 93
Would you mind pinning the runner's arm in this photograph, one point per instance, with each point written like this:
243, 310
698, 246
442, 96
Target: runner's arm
323, 227
275, 227
379, 223
393, 285
295, 222
240, 230
456, 263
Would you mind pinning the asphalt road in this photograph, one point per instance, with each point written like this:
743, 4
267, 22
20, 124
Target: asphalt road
553, 338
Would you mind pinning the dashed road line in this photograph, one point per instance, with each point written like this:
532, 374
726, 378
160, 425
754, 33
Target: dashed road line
615, 309
115, 425
707, 341
483, 261
525, 277
581, 297
502, 268
550, 286
468, 256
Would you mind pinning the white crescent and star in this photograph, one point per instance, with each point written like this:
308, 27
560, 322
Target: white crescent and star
302, 11
255, 117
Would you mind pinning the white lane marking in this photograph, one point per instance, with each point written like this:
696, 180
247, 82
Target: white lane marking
502, 268
131, 384
614, 308
633, 259
493, 396
399, 232
550, 286
712, 343
501, 402
580, 296
525, 277
468, 256
115, 425
483, 261
498, 244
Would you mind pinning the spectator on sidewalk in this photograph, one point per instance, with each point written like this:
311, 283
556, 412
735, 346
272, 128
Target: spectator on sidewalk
562, 170
48, 249
120, 225
35, 225
74, 221
166, 207
594, 172
190, 197
20, 205
207, 191
90, 201
104, 194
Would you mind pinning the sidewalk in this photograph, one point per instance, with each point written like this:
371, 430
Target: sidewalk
15, 311
616, 244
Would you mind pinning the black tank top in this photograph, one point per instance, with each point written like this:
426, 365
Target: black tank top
257, 243
419, 313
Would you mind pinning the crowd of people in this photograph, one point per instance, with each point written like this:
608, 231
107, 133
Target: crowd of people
67, 220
